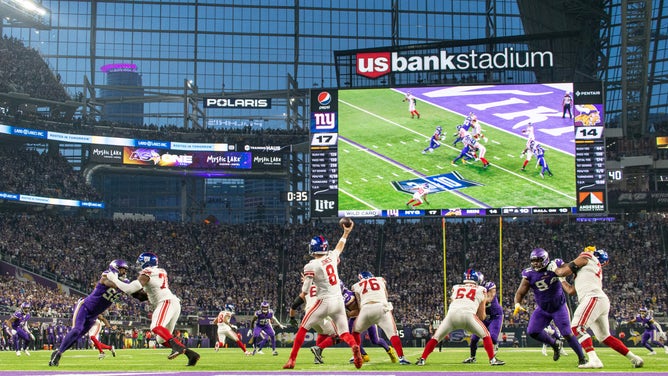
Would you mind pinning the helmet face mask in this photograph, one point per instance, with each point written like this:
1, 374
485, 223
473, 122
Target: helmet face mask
147, 259
25, 306
539, 259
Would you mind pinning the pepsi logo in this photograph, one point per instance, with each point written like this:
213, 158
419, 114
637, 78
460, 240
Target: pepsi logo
324, 98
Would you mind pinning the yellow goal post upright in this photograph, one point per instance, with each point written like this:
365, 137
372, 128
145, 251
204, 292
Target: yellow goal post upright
445, 270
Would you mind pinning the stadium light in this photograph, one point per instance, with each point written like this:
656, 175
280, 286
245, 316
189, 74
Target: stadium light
25, 13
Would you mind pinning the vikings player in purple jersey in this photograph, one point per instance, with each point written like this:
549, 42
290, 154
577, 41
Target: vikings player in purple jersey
550, 305
262, 321
463, 129
652, 327
435, 140
17, 326
539, 152
89, 308
493, 320
467, 151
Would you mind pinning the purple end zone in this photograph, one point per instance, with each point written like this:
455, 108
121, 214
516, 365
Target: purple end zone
423, 371
509, 107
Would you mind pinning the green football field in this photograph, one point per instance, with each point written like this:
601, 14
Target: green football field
336, 359
379, 143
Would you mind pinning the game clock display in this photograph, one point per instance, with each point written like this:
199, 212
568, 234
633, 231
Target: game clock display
296, 196
458, 151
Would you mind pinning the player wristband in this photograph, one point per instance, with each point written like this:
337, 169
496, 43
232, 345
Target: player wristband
574, 268
297, 303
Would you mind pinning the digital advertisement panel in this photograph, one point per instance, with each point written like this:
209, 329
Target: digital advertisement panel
451, 151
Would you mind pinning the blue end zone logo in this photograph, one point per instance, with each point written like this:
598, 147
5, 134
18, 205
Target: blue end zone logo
436, 183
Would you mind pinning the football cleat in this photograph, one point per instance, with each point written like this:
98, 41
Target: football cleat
469, 360
113, 351
18, 353
217, 346
403, 361
392, 354
558, 345
652, 353
25, 351
55, 359
420, 362
275, 353
317, 355
636, 361
193, 357
544, 349
366, 358
496, 362
594, 364
101, 356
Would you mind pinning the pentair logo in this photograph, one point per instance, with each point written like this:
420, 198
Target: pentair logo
324, 98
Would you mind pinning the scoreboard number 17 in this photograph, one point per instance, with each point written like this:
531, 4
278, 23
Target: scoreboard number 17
324, 139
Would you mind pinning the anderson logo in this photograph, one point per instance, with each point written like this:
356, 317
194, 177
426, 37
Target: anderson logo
377, 64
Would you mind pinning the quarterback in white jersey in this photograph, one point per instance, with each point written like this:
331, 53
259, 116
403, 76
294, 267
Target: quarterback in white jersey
166, 306
374, 308
593, 304
322, 271
227, 330
466, 311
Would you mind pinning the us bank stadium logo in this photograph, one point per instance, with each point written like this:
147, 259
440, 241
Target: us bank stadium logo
591, 201
436, 183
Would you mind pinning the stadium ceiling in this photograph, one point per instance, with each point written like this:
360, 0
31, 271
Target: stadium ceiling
25, 13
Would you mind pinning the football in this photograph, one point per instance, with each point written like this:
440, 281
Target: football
345, 222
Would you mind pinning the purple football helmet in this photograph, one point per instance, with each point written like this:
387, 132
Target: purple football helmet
539, 259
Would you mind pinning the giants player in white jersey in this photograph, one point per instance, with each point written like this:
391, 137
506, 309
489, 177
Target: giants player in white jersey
325, 329
419, 196
593, 304
322, 272
408, 97
527, 153
94, 336
466, 311
476, 129
166, 306
371, 293
227, 330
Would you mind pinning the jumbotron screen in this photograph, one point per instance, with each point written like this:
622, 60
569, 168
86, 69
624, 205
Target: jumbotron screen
457, 151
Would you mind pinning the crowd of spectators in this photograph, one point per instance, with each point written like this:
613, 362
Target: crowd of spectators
210, 265
23, 70
45, 173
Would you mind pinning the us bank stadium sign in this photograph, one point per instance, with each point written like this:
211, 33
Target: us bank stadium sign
377, 64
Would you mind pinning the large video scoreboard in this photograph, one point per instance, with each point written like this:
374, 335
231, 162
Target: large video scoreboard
370, 154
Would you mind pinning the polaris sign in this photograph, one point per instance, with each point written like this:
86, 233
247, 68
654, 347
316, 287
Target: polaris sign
254, 103
377, 64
